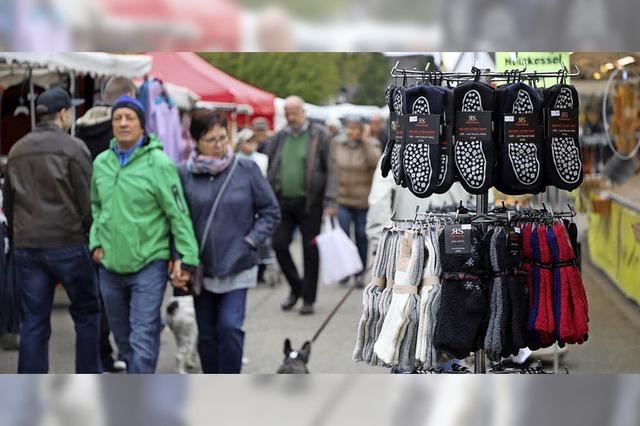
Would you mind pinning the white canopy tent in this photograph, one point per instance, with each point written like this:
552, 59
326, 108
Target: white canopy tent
95, 64
45, 68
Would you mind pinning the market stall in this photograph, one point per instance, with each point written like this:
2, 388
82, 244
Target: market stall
212, 85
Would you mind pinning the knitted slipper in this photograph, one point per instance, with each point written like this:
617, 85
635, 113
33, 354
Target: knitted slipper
474, 160
563, 162
519, 163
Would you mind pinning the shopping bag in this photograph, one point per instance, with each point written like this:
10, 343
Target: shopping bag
339, 258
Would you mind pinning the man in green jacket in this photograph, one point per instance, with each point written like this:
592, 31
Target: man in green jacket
138, 207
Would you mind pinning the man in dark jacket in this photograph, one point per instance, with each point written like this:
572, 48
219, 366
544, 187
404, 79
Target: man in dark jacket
301, 176
96, 131
48, 207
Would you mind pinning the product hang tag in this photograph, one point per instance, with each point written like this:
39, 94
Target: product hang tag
521, 128
423, 129
514, 243
474, 126
400, 126
457, 239
563, 123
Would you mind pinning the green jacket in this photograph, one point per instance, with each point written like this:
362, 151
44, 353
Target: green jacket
137, 208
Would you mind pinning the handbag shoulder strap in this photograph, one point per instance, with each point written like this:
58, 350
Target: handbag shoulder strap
215, 204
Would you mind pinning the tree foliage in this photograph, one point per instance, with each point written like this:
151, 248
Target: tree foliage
319, 78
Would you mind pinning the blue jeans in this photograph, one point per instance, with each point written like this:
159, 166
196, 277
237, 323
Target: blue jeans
220, 335
37, 272
133, 303
347, 215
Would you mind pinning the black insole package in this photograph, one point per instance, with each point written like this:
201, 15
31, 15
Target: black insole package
474, 147
562, 160
423, 107
520, 139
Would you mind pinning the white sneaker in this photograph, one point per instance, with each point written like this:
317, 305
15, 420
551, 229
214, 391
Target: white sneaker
119, 365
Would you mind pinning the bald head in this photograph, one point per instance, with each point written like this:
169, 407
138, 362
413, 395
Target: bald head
377, 123
294, 111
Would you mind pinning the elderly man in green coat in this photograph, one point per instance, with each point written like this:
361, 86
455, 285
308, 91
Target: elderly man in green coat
140, 221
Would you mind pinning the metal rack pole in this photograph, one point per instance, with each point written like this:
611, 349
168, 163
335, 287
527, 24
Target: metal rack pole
482, 207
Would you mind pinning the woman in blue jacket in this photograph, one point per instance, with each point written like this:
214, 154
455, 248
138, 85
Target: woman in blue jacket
246, 215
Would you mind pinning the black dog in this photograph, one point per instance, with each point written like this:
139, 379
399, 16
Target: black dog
295, 362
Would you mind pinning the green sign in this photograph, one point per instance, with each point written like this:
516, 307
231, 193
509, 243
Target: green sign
533, 61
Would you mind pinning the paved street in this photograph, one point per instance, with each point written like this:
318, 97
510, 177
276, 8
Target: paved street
612, 347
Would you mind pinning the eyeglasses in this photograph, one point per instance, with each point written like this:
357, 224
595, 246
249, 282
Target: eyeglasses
219, 140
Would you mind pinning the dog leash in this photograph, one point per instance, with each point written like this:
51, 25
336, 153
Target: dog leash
332, 313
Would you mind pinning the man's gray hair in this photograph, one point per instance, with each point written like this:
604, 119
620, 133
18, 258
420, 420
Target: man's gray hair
116, 87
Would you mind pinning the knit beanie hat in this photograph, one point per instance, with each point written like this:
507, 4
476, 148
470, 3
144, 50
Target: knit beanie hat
474, 160
421, 160
563, 162
519, 163
131, 103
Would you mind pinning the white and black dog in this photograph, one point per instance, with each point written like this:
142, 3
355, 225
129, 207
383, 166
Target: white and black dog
181, 319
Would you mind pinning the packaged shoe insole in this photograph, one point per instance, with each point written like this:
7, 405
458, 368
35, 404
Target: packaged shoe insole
520, 157
563, 163
423, 107
473, 154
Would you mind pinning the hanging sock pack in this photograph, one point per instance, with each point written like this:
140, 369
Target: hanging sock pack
405, 288
429, 302
385, 163
461, 321
572, 305
563, 162
474, 159
371, 298
520, 157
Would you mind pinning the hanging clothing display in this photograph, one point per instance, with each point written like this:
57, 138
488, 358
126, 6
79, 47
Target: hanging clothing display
163, 118
452, 284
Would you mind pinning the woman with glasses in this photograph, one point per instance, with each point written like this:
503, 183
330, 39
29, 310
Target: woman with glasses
233, 211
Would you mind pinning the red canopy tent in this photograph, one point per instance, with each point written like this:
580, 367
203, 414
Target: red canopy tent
189, 70
216, 22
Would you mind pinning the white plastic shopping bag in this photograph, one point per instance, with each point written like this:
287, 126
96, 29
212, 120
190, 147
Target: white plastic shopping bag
339, 258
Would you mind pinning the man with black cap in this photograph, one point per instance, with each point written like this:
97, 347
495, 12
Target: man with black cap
48, 207
139, 210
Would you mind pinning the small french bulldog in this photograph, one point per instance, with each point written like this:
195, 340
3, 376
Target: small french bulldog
295, 362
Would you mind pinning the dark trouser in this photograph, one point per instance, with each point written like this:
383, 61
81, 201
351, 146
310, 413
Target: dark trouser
37, 272
133, 303
347, 215
220, 335
106, 350
309, 222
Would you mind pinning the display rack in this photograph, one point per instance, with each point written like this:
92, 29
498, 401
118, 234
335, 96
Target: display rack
486, 76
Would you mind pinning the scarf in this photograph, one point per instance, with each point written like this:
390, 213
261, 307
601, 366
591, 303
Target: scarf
202, 164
